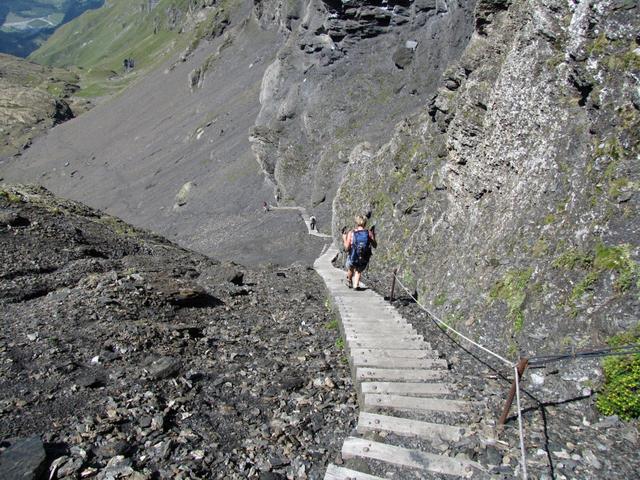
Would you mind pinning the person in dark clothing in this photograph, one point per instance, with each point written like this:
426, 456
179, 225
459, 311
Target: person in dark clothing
357, 243
312, 222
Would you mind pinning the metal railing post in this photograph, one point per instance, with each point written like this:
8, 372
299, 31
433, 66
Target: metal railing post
522, 365
393, 284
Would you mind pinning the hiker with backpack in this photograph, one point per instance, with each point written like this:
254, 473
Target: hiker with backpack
357, 243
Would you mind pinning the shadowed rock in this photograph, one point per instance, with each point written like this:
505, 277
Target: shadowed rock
24, 459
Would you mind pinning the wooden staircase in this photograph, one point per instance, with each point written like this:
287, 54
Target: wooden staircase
409, 413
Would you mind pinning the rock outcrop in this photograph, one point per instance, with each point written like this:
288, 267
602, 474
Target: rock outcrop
33, 98
347, 73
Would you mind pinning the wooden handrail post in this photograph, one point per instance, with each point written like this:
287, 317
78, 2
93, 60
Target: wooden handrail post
522, 365
393, 284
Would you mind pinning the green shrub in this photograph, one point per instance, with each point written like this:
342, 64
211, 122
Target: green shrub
620, 394
583, 286
617, 258
331, 324
11, 197
440, 299
512, 290
574, 258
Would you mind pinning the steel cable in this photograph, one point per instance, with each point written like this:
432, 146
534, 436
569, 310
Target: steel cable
484, 349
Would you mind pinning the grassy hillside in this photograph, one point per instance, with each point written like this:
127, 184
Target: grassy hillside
147, 31
26, 24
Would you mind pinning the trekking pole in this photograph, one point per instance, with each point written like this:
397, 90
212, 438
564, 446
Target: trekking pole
522, 365
393, 284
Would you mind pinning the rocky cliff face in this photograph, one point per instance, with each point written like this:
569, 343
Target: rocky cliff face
347, 72
510, 202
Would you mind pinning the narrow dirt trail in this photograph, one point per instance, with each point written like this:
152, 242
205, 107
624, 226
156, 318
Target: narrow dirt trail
306, 218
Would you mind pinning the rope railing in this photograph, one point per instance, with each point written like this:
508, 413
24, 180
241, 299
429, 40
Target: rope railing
514, 365
448, 327
522, 364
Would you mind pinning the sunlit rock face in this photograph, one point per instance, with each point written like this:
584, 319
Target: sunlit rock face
510, 201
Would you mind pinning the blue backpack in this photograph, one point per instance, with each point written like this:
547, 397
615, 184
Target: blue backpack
360, 248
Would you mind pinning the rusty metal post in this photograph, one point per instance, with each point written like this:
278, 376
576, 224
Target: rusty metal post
393, 285
522, 365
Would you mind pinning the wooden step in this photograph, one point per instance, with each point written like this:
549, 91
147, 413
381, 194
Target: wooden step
377, 326
405, 388
393, 353
437, 432
401, 402
370, 312
424, 363
367, 336
378, 330
389, 343
341, 473
398, 375
358, 447
380, 319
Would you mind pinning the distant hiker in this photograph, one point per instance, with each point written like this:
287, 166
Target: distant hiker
131, 64
357, 243
125, 64
265, 206
312, 222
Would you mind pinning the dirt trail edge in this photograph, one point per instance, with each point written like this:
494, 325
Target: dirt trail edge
409, 412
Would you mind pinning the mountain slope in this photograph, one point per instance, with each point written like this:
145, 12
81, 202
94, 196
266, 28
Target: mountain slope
174, 156
148, 32
156, 353
494, 142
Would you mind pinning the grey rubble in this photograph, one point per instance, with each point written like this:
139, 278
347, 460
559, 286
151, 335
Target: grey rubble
128, 356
